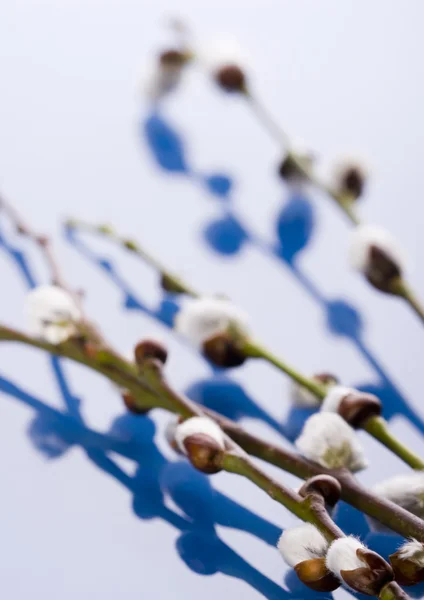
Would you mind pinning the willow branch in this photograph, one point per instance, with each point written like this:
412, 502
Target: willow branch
377, 427
343, 199
151, 390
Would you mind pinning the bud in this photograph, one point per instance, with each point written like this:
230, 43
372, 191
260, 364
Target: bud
216, 326
325, 486
171, 284
289, 168
52, 313
226, 61
328, 440
406, 491
131, 404
304, 548
349, 178
408, 563
354, 406
224, 350
167, 73
358, 567
314, 574
302, 397
150, 348
203, 442
377, 255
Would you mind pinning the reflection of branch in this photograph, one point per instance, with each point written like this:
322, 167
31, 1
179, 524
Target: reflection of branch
376, 426
151, 390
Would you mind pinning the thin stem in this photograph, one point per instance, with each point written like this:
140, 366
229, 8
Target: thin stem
151, 390
44, 243
254, 350
304, 509
402, 289
134, 247
378, 428
343, 201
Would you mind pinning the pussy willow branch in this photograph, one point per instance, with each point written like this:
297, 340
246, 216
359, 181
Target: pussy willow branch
343, 200
377, 427
150, 390
236, 460
45, 245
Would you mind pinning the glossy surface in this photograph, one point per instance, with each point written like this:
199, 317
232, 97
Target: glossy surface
94, 504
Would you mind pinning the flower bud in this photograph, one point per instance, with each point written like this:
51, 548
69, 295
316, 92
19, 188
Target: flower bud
377, 255
167, 73
354, 406
302, 397
349, 178
52, 313
358, 567
131, 404
203, 442
223, 350
226, 61
328, 440
216, 326
147, 349
289, 168
314, 574
406, 491
171, 284
304, 548
408, 563
325, 486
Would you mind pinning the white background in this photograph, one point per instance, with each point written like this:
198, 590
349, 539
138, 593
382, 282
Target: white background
346, 77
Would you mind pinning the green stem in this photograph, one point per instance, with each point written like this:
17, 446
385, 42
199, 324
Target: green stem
254, 350
151, 390
378, 428
307, 509
392, 591
344, 202
402, 289
134, 247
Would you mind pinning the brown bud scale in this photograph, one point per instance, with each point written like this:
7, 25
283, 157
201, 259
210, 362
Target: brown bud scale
314, 574
148, 349
204, 453
223, 351
356, 408
231, 78
382, 271
325, 486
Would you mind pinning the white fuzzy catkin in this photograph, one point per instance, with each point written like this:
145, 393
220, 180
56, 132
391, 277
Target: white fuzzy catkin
344, 166
222, 52
412, 550
366, 236
341, 556
196, 425
334, 397
302, 397
52, 313
328, 440
406, 491
202, 318
301, 543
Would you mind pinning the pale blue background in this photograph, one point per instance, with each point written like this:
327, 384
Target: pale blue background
345, 76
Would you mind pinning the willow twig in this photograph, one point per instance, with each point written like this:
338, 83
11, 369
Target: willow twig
150, 390
377, 427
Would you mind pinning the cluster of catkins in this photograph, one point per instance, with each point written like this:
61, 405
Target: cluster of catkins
328, 437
